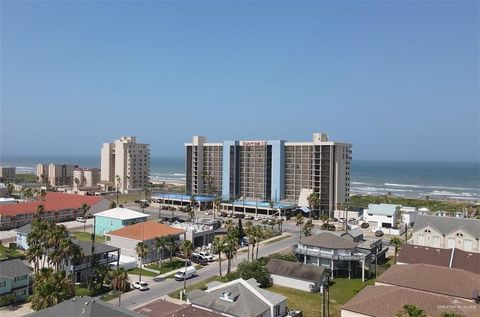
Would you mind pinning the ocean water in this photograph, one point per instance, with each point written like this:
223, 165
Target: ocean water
447, 180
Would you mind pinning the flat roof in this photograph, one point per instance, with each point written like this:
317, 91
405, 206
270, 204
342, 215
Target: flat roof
182, 197
121, 213
260, 204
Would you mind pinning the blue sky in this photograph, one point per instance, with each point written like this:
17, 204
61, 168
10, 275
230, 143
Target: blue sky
399, 80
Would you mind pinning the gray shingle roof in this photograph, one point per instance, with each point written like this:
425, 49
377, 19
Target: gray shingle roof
244, 303
25, 229
445, 225
13, 268
328, 240
296, 270
99, 247
84, 307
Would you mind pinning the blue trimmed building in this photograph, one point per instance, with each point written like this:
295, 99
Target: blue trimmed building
270, 170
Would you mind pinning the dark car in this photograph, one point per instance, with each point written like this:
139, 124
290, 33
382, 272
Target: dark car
334, 219
378, 233
197, 258
364, 225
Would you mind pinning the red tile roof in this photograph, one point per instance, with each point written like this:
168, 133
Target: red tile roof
146, 231
53, 201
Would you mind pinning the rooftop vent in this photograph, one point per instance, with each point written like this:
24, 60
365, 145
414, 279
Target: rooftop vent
227, 296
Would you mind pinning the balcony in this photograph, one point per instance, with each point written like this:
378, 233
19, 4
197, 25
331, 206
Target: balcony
337, 257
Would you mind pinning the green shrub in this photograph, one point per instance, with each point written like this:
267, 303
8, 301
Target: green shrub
7, 300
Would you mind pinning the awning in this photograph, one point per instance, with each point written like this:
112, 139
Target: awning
304, 209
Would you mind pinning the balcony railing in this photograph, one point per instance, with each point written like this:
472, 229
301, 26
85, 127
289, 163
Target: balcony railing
338, 257
110, 259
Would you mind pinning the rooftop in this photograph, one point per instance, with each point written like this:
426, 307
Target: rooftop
446, 225
393, 298
100, 248
145, 231
455, 258
182, 197
84, 306
297, 270
121, 213
425, 277
166, 308
53, 201
382, 209
13, 268
328, 240
237, 297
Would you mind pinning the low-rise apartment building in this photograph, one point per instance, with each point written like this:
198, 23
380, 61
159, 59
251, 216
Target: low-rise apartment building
58, 207
447, 233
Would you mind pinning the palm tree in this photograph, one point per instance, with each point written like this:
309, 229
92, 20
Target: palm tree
252, 238
396, 242
299, 222
248, 229
51, 288
307, 228
217, 203
102, 273
160, 244
39, 212
313, 202
112, 205
142, 251
187, 249
43, 194
230, 249
119, 282
259, 236
85, 208
171, 244
218, 246
229, 224
10, 189
77, 181
411, 311
191, 211
117, 177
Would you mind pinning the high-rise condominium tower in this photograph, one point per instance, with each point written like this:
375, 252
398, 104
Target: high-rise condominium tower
273, 170
125, 164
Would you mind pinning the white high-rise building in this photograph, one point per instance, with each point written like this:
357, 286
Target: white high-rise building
125, 164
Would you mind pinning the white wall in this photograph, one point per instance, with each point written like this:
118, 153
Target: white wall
346, 313
290, 282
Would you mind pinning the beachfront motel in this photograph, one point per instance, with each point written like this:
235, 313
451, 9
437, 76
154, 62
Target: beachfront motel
270, 170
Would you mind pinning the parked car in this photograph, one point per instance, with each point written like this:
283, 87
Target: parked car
250, 218
199, 259
334, 219
352, 220
179, 254
207, 256
378, 233
183, 274
365, 225
81, 219
141, 286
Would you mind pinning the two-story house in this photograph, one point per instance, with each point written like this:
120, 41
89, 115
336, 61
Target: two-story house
447, 233
339, 252
15, 279
382, 215
116, 218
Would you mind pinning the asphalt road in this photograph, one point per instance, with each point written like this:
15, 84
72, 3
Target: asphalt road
160, 287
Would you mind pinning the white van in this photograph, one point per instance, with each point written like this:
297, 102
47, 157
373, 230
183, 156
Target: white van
181, 274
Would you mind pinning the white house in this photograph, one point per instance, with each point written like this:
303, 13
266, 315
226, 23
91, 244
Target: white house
382, 215
408, 214
304, 277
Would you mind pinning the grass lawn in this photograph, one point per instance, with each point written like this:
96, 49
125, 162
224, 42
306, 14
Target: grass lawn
167, 266
342, 289
199, 285
136, 271
109, 297
359, 201
280, 238
6, 253
85, 236
26, 178
82, 290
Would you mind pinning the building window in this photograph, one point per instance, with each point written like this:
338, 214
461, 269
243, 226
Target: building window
450, 243
421, 239
436, 241
3, 283
20, 278
277, 310
467, 245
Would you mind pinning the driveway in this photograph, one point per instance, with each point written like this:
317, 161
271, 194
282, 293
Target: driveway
16, 311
